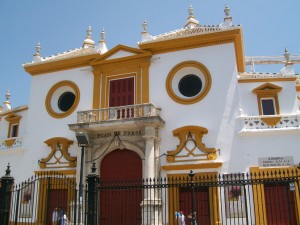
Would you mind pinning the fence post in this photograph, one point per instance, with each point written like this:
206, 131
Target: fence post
5, 196
93, 181
191, 175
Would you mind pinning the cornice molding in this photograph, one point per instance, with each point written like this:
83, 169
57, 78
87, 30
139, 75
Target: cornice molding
203, 40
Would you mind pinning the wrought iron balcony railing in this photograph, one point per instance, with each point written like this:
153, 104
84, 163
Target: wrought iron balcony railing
118, 113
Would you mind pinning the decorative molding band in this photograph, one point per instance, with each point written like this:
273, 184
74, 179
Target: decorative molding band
211, 165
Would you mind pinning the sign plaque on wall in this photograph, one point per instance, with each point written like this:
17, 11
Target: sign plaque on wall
276, 161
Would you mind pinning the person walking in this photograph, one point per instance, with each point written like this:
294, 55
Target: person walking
180, 218
54, 217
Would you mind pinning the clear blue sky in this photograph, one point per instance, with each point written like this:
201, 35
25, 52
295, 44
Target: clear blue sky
60, 25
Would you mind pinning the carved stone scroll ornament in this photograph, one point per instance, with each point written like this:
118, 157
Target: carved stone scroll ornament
59, 156
191, 147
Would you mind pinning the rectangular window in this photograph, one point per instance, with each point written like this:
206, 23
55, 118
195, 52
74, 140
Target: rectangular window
268, 106
14, 130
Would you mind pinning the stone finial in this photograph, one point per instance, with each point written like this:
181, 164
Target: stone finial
145, 35
287, 55
102, 35
38, 48
227, 11
191, 21
7, 95
191, 11
288, 69
101, 46
37, 56
227, 20
7, 105
88, 42
145, 26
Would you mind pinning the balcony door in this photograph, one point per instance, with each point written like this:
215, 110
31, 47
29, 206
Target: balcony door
121, 93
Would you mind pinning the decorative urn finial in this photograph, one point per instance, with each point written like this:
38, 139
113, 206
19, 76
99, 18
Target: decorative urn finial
38, 48
7, 95
191, 11
227, 11
88, 42
102, 35
145, 26
89, 32
287, 55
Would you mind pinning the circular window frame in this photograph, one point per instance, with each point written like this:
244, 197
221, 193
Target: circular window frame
70, 86
205, 88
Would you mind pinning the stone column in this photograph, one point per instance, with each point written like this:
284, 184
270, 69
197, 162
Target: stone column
149, 137
151, 204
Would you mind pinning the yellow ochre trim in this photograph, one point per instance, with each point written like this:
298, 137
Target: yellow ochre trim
59, 65
271, 121
55, 172
53, 183
203, 40
275, 79
13, 111
267, 90
13, 119
211, 165
204, 91
120, 69
194, 133
136, 54
9, 142
97, 89
64, 145
49, 109
213, 193
259, 193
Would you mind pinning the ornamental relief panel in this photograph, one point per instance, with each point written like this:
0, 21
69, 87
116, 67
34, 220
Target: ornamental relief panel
191, 147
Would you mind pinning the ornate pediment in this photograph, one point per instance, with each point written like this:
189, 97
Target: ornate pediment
120, 53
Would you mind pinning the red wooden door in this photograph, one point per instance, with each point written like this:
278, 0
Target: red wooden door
119, 201
58, 198
280, 204
121, 93
201, 204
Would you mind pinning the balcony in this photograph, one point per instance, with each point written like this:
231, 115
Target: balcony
126, 116
252, 125
11, 145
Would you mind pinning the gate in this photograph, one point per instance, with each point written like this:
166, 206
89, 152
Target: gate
44, 199
271, 198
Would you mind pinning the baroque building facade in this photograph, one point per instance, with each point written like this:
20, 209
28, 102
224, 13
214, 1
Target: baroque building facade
180, 101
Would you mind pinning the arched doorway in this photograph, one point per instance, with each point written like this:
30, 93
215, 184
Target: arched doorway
120, 171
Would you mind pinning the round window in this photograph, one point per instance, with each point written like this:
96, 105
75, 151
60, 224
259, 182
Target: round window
66, 101
190, 85
62, 99
188, 82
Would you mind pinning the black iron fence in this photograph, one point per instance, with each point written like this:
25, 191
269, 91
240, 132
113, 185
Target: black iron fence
267, 198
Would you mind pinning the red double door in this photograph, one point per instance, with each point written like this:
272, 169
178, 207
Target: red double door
119, 199
280, 204
201, 204
121, 93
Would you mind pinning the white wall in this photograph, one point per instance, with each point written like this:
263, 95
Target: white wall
217, 112
287, 97
41, 126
